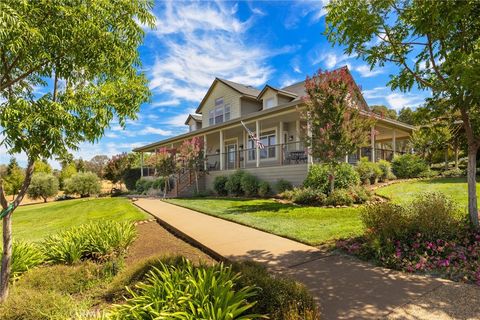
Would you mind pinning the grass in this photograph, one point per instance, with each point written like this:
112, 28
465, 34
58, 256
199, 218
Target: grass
404, 192
310, 225
35, 222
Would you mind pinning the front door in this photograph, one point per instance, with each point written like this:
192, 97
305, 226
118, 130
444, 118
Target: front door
231, 153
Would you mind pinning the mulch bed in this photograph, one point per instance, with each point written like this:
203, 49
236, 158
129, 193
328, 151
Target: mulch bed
155, 241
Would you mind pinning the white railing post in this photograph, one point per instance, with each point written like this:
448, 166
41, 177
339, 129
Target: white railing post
222, 148
205, 163
141, 164
372, 142
257, 134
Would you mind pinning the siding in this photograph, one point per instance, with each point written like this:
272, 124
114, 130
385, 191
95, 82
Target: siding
269, 93
249, 106
229, 95
296, 174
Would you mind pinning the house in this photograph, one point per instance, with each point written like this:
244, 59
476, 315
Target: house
274, 114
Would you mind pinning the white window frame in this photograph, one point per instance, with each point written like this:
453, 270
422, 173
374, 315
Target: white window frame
262, 135
272, 99
214, 113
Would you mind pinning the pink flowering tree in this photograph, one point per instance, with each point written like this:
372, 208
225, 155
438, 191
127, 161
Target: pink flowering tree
192, 157
165, 165
338, 119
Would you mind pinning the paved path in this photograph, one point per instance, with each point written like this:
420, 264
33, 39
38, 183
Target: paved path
345, 288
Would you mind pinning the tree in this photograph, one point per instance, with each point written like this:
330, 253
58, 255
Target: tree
430, 139
191, 156
338, 119
97, 164
384, 111
434, 45
14, 178
84, 184
85, 57
43, 185
80, 165
68, 170
407, 115
42, 166
165, 165
116, 167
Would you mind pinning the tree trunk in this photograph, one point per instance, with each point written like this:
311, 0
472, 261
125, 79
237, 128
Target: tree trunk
446, 158
472, 185
7, 231
196, 181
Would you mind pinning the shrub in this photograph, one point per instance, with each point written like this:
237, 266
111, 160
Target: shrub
360, 194
283, 185
408, 166
234, 183
279, 298
455, 172
264, 189
158, 184
25, 255
219, 185
97, 241
43, 185
318, 177
130, 178
83, 184
305, 196
368, 171
209, 291
339, 197
386, 168
63, 197
249, 184
143, 185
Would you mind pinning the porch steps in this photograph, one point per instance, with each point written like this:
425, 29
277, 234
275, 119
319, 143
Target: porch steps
185, 186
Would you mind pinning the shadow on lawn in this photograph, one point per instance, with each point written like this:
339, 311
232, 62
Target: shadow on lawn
258, 207
446, 180
347, 288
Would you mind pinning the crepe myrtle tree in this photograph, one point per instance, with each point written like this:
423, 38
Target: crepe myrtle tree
83, 57
433, 44
190, 154
338, 119
165, 164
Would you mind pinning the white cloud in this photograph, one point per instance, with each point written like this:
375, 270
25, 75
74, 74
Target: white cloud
365, 71
295, 64
400, 100
329, 59
314, 9
151, 130
179, 119
375, 93
165, 103
203, 40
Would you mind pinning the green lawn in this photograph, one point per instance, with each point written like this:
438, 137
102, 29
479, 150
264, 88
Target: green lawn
34, 222
455, 188
306, 224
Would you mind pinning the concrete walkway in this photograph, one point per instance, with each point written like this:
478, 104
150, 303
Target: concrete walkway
344, 287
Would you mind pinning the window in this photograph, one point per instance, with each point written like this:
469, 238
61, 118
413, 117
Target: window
269, 103
268, 139
220, 113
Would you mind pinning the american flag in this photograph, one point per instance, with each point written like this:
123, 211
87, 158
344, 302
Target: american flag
252, 136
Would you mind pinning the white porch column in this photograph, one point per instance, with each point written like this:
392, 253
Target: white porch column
257, 134
372, 142
205, 162
244, 154
309, 151
222, 149
141, 164
297, 134
282, 143
394, 142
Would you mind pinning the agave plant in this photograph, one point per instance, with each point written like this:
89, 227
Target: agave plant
25, 255
187, 292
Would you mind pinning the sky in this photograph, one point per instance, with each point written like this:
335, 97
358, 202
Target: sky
250, 42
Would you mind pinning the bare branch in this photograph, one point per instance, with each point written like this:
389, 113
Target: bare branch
26, 182
3, 198
432, 59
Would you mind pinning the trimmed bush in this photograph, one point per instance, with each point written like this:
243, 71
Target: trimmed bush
130, 178
305, 196
234, 183
453, 173
360, 194
143, 185
339, 197
43, 185
386, 168
249, 185
83, 184
209, 291
219, 185
264, 189
408, 166
95, 241
318, 177
368, 171
279, 298
283, 185
25, 255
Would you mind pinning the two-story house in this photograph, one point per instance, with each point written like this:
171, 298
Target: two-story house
273, 114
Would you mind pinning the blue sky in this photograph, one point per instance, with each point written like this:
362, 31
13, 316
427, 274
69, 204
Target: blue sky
251, 42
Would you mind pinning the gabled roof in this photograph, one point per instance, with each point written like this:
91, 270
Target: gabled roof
279, 91
245, 90
195, 117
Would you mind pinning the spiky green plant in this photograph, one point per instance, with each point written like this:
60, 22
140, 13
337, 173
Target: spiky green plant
25, 255
187, 292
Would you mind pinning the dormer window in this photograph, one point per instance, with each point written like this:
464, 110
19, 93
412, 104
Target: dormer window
269, 103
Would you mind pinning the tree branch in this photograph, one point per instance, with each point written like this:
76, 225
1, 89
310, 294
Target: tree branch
3, 198
26, 183
432, 59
